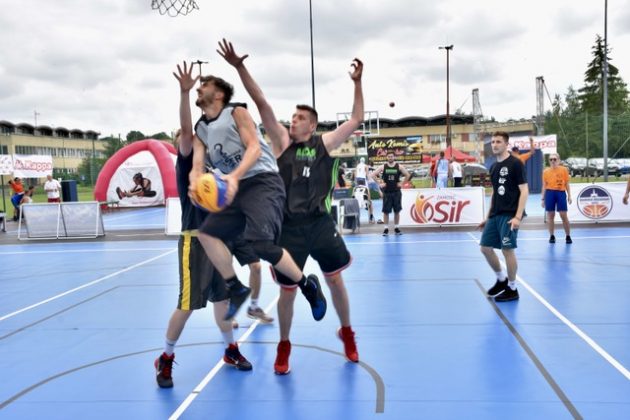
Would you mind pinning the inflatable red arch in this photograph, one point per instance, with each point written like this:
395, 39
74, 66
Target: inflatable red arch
160, 150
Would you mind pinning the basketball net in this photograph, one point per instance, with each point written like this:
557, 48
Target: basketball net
174, 7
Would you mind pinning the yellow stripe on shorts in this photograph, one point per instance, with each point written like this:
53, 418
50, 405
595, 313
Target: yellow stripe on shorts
185, 303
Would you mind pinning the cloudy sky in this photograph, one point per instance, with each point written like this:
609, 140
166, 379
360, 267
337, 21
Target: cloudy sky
106, 65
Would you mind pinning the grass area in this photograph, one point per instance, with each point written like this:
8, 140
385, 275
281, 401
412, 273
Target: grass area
85, 193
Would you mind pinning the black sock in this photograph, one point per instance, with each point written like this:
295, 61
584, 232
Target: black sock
233, 283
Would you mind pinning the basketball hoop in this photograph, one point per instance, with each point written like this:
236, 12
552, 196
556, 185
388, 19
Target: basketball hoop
174, 8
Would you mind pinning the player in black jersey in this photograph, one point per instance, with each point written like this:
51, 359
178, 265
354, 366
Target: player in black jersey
391, 172
309, 174
500, 229
198, 280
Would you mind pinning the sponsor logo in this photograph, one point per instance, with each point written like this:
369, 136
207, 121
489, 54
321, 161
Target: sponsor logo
594, 202
438, 209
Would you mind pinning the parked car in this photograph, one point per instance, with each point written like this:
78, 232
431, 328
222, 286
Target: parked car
475, 174
576, 165
624, 165
420, 172
595, 167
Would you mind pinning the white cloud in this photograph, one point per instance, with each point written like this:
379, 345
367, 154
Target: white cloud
106, 64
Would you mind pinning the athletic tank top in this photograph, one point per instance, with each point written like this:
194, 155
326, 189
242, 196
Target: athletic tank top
224, 147
391, 177
309, 175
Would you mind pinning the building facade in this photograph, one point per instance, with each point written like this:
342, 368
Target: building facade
68, 148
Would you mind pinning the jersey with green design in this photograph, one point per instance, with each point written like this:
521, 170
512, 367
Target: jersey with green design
309, 174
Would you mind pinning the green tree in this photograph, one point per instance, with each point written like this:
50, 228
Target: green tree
591, 96
135, 136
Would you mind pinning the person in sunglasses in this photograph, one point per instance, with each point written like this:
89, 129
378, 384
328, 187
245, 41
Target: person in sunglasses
555, 195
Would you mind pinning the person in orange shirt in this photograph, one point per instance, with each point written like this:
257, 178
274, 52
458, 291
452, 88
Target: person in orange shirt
524, 157
555, 194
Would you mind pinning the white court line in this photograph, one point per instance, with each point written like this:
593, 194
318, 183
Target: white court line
204, 382
19, 311
573, 327
131, 215
83, 251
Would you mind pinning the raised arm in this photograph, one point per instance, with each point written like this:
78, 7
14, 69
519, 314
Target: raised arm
277, 133
186, 83
334, 139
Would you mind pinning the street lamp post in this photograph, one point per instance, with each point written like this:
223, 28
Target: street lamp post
448, 49
310, 16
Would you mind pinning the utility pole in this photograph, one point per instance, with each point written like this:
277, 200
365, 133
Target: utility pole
35, 114
310, 16
605, 83
448, 49
540, 106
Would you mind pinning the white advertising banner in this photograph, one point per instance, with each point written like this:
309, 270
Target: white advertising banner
32, 166
548, 144
6, 165
598, 203
438, 207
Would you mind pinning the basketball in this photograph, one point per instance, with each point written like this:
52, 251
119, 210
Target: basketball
211, 192
392, 104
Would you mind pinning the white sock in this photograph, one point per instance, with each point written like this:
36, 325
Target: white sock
253, 303
169, 346
228, 337
501, 275
512, 284
395, 226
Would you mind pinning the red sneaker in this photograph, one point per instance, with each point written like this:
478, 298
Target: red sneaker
233, 357
346, 335
163, 370
281, 366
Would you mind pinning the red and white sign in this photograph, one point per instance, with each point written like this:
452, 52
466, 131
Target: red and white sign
32, 166
447, 206
548, 144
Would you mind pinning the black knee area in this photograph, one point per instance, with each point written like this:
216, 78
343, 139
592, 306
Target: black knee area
268, 251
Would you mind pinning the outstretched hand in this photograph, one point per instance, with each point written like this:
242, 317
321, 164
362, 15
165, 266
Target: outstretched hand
184, 77
227, 52
357, 70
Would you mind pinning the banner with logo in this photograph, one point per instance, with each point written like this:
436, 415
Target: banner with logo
6, 165
598, 203
447, 206
32, 166
548, 144
408, 150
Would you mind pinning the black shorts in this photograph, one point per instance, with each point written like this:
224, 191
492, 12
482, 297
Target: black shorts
242, 251
319, 239
256, 211
199, 282
392, 201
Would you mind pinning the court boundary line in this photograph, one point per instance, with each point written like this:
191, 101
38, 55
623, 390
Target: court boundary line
210, 375
92, 283
532, 355
592, 343
380, 385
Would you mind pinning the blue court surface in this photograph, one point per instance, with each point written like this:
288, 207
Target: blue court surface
82, 322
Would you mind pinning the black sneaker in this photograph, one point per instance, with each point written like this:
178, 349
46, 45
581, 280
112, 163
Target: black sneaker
498, 287
313, 293
507, 295
386, 232
569, 240
237, 298
397, 231
233, 357
552, 239
163, 370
